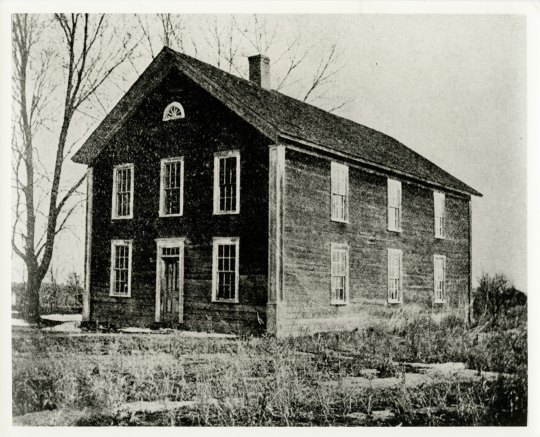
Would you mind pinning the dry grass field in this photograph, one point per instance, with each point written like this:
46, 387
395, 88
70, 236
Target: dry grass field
374, 377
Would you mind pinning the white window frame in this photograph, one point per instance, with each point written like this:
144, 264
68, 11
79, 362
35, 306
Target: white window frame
114, 245
335, 170
116, 169
439, 202
334, 247
168, 117
394, 184
395, 253
217, 157
442, 298
215, 243
164, 162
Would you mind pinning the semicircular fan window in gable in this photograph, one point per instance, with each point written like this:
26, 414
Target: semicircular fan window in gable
174, 111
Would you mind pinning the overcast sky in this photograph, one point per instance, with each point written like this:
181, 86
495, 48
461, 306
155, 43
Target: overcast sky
452, 88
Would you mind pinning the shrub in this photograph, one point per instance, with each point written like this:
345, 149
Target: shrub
494, 299
54, 297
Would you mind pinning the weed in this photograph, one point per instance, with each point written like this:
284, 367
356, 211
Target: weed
284, 382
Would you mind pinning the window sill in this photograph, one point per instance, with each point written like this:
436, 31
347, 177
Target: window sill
170, 215
119, 295
122, 218
225, 301
226, 212
394, 302
339, 303
440, 238
440, 302
398, 231
339, 220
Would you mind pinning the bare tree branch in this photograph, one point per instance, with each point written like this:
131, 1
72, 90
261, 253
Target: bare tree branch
146, 34
70, 192
323, 73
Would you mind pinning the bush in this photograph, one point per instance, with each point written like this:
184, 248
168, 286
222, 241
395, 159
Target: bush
53, 297
495, 300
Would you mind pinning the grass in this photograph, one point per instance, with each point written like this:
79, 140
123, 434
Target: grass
261, 381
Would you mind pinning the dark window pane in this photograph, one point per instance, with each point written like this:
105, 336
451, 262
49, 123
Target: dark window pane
227, 184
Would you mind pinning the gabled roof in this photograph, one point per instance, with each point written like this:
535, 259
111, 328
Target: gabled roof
279, 117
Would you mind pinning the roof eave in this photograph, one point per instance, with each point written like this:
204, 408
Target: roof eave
115, 119
235, 105
385, 169
162, 64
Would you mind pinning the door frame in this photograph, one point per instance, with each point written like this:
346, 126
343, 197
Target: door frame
160, 244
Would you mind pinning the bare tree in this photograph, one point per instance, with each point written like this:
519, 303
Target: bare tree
299, 68
225, 43
162, 30
85, 67
291, 59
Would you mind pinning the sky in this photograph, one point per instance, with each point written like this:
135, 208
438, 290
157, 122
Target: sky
451, 87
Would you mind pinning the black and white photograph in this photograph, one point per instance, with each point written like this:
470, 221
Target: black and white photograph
269, 217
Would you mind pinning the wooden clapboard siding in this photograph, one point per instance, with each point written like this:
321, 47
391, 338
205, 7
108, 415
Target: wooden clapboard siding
286, 202
144, 140
308, 233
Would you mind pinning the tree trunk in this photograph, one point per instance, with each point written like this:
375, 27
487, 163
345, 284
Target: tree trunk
31, 311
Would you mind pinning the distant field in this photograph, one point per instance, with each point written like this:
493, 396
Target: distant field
344, 379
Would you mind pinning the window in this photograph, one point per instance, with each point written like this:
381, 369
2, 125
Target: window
340, 192
395, 275
227, 182
225, 270
121, 268
174, 111
394, 205
171, 198
340, 274
438, 201
122, 203
439, 264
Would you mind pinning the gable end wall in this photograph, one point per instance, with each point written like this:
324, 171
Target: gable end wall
144, 140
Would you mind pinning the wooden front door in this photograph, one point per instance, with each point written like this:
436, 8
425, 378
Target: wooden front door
170, 307
170, 290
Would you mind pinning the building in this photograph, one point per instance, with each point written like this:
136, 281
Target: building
215, 203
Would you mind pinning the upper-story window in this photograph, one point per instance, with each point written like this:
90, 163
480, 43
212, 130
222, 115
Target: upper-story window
439, 267
227, 182
340, 192
122, 202
171, 199
395, 276
174, 111
340, 274
439, 209
394, 205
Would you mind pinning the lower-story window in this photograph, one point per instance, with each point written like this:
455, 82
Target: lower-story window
340, 274
121, 251
225, 270
439, 264
395, 275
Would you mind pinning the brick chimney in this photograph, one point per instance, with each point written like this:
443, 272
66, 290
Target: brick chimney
259, 70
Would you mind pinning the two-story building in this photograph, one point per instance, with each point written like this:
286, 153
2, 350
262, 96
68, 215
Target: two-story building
216, 203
